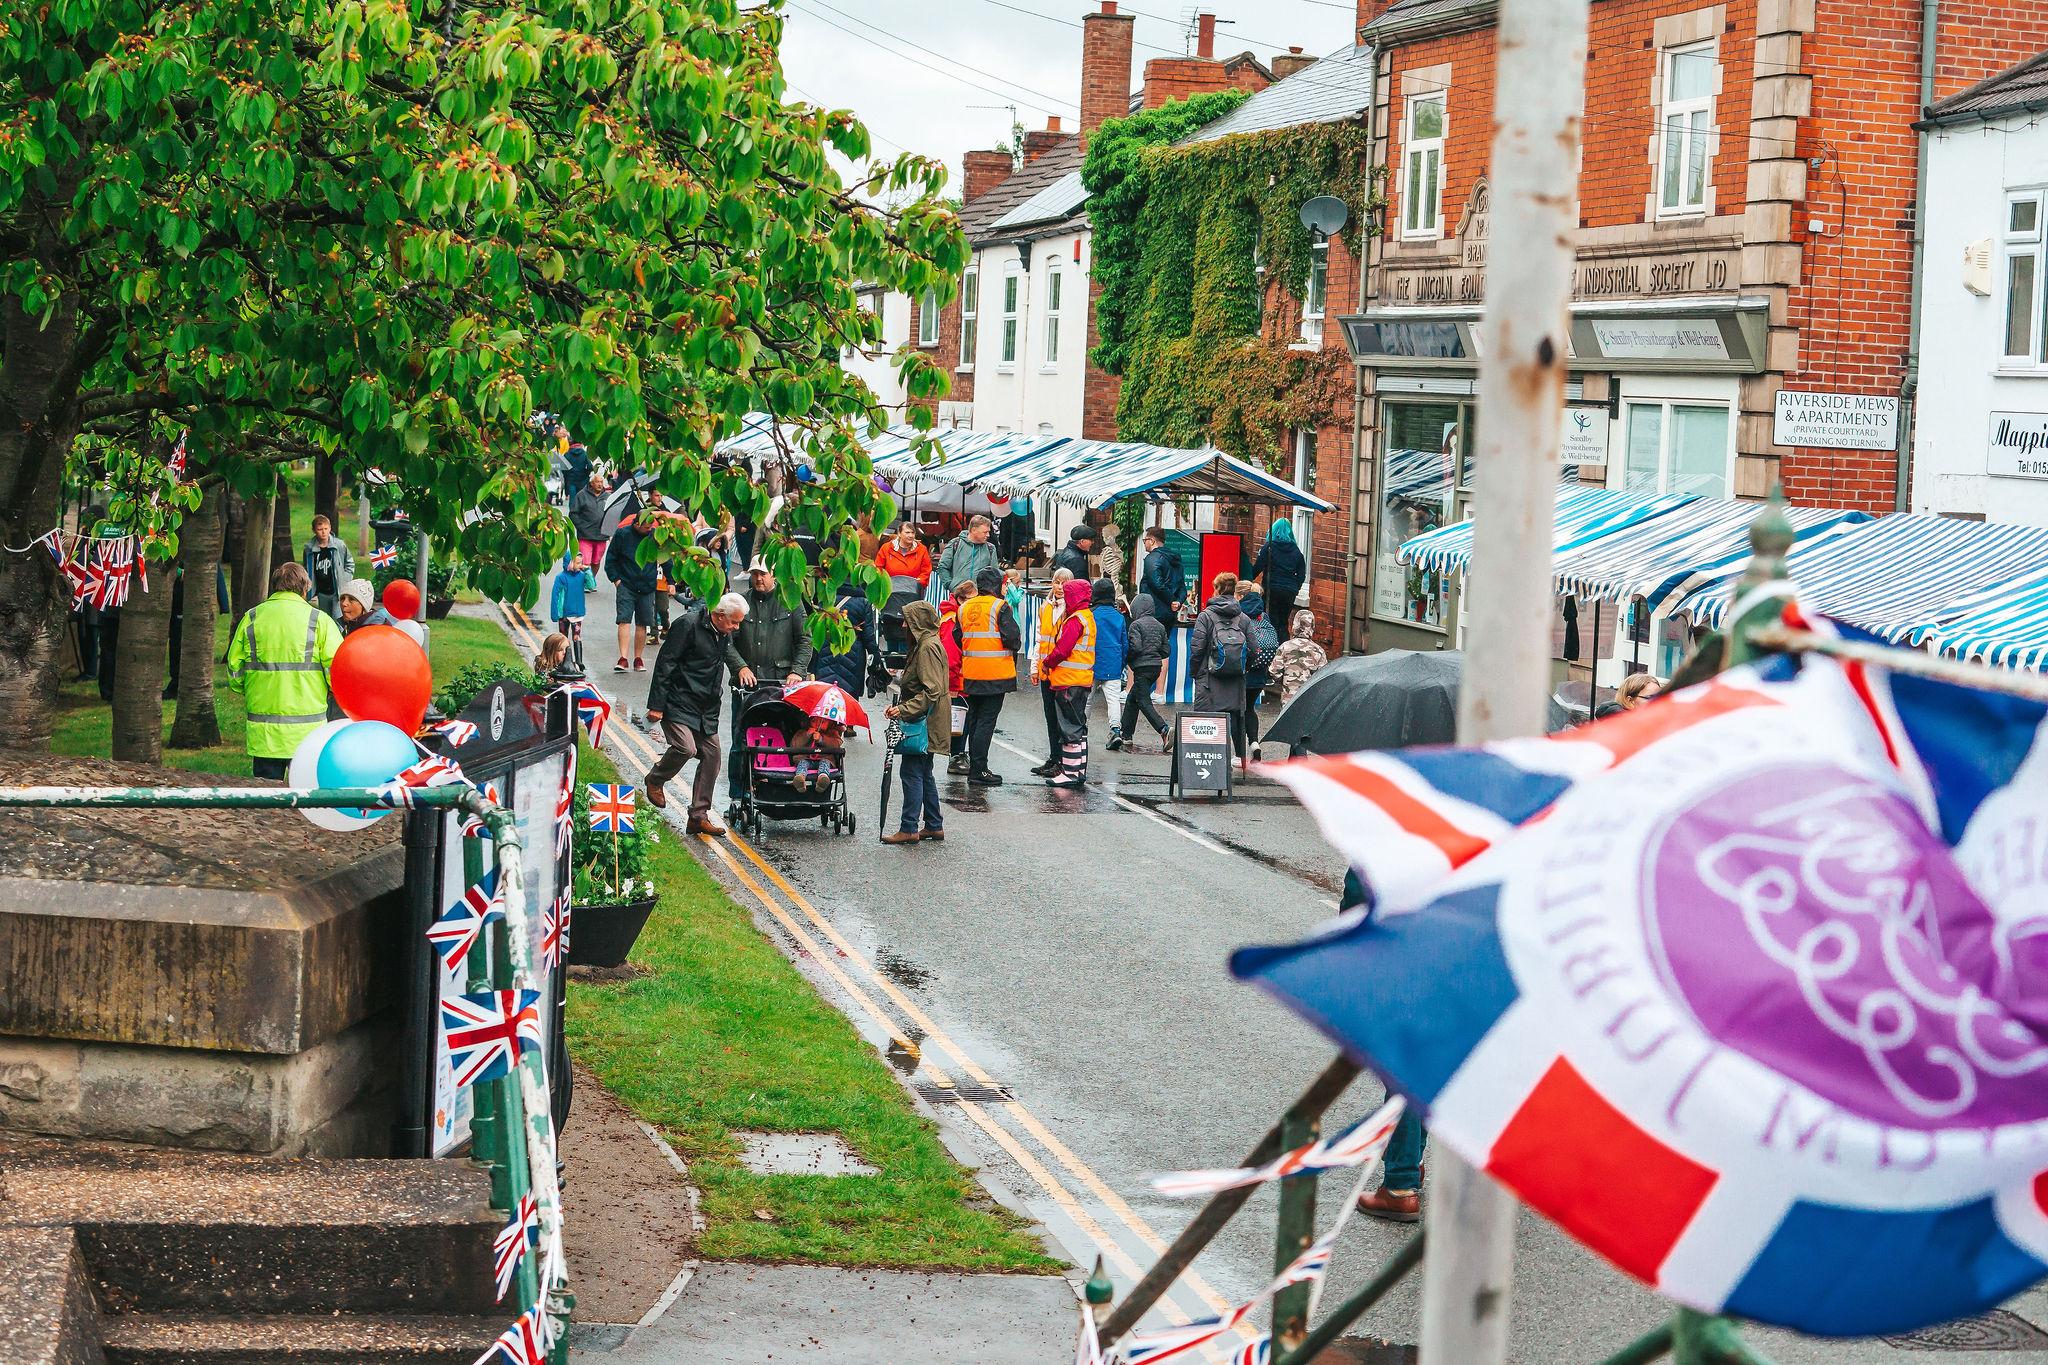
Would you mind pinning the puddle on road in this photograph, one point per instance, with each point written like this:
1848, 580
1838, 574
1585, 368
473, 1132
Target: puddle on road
901, 969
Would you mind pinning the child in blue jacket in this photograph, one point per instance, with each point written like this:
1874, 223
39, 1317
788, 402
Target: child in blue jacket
1112, 629
566, 604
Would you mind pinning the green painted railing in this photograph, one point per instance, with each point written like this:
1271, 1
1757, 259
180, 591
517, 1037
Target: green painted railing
512, 1129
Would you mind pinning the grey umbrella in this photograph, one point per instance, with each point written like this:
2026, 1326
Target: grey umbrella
1374, 701
624, 498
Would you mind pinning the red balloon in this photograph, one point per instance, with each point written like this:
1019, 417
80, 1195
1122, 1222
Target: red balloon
402, 599
379, 673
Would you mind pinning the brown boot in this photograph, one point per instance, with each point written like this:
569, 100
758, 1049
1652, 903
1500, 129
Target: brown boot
1395, 1206
705, 824
656, 797
937, 834
902, 836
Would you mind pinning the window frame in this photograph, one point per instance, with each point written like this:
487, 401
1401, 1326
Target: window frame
1055, 305
1699, 107
1414, 149
1012, 317
2030, 245
1665, 407
1315, 292
928, 319
970, 319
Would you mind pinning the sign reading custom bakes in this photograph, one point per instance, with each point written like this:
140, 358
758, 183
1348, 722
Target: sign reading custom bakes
2019, 445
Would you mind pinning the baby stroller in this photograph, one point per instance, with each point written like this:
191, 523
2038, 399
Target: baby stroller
895, 635
769, 790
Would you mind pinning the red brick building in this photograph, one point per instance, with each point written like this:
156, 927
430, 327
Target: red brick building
1746, 229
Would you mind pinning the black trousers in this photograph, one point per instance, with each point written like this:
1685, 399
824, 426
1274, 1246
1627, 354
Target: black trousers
981, 728
1052, 723
1144, 677
1280, 610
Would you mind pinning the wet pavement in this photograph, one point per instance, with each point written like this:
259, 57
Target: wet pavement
1070, 950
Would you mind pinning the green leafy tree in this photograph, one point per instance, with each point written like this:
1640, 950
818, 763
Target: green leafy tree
391, 230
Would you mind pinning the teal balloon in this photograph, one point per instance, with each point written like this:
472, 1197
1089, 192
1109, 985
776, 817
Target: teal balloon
365, 753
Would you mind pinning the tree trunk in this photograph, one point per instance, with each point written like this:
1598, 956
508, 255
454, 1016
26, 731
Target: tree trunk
197, 725
252, 561
327, 491
282, 551
139, 672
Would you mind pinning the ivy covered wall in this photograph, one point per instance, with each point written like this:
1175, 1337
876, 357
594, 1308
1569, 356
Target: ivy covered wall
1180, 235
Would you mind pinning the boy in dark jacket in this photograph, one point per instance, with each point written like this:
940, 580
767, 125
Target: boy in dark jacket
635, 582
1162, 578
1145, 655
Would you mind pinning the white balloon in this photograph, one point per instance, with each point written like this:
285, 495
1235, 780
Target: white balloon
413, 630
303, 775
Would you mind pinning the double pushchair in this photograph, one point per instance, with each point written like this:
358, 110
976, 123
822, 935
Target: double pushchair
778, 781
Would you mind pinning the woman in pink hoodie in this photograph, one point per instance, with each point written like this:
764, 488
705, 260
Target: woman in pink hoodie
1068, 668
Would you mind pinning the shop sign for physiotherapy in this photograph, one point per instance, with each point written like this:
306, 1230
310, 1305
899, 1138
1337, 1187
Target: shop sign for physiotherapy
1585, 436
1201, 753
2018, 445
1836, 421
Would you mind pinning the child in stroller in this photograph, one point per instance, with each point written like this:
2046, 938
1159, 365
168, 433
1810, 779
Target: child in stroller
819, 752
794, 767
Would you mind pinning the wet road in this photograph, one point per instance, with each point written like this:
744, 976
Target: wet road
1061, 959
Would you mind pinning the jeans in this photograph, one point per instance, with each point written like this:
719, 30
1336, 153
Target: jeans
920, 794
981, 728
685, 744
1402, 1165
1144, 677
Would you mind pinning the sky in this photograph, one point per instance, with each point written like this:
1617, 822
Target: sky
929, 75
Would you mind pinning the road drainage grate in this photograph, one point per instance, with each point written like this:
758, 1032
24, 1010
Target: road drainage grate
1998, 1330
959, 1094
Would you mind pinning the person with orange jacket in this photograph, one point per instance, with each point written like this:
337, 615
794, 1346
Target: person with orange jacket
949, 636
904, 556
1068, 669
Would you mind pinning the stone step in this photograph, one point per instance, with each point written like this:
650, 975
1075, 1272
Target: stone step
48, 1316
206, 1339
181, 1232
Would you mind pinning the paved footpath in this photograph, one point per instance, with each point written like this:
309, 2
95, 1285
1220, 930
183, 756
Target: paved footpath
1053, 979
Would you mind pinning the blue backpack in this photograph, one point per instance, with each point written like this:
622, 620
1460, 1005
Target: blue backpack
1230, 650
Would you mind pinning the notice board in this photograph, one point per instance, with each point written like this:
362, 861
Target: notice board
1201, 753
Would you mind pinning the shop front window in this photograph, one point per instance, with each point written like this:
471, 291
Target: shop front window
1418, 483
1679, 448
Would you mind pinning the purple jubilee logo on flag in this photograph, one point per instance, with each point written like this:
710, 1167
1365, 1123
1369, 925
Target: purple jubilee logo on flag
611, 807
489, 1031
1747, 988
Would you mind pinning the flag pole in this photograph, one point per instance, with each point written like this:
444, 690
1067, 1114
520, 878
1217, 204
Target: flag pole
1539, 101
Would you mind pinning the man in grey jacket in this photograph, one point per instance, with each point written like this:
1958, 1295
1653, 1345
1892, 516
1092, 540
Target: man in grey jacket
971, 552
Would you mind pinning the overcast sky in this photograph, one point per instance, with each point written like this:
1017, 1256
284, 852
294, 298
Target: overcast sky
904, 65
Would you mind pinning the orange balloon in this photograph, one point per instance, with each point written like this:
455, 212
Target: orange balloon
402, 599
379, 673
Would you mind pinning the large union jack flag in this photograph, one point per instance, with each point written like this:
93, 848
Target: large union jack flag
489, 1031
611, 807
565, 811
510, 1244
456, 932
525, 1342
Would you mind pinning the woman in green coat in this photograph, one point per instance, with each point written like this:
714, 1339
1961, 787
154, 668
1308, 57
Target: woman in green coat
925, 697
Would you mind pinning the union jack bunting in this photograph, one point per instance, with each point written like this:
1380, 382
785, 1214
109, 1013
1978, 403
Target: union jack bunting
593, 709
525, 1342
384, 556
611, 807
554, 932
1254, 1353
512, 1240
488, 1031
433, 770
76, 577
1088, 1346
456, 732
565, 811
1362, 1143
1150, 1347
472, 823
176, 464
455, 933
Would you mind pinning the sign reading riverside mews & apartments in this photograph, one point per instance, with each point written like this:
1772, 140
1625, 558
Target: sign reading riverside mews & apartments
1836, 421
2019, 445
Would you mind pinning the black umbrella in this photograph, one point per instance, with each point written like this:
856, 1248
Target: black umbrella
623, 499
1374, 701
891, 737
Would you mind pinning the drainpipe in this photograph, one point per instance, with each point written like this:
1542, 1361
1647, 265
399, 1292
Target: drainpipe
1909, 383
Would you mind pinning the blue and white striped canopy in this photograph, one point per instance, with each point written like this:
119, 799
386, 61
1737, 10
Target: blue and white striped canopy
1098, 473
1416, 474
2006, 624
1902, 577
1664, 557
1583, 515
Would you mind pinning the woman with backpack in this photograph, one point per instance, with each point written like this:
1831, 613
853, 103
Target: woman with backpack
1220, 655
1258, 673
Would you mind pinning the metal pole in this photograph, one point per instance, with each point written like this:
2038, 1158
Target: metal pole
1405, 1258
1539, 99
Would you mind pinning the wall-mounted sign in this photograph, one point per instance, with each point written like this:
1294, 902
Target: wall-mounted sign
1438, 279
1585, 436
1660, 339
2019, 445
1836, 421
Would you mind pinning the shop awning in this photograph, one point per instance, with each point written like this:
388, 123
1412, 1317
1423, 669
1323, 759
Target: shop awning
1583, 514
1663, 558
1097, 473
2006, 624
1901, 577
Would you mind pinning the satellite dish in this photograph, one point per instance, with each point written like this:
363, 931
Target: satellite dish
1325, 215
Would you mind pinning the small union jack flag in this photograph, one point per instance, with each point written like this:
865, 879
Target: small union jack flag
456, 732
1254, 1353
434, 770
525, 1342
384, 556
489, 1031
456, 932
1359, 1145
1312, 1264
176, 464
473, 823
1088, 1346
565, 812
512, 1240
554, 932
593, 710
1173, 1341
611, 807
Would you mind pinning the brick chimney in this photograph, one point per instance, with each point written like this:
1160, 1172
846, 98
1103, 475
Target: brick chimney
1039, 141
982, 172
1106, 38
1205, 37
1369, 10
1289, 62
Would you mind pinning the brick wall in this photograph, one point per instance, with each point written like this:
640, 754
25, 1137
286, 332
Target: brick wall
1106, 39
1178, 78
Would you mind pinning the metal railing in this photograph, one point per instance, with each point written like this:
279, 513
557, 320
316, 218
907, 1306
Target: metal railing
512, 1130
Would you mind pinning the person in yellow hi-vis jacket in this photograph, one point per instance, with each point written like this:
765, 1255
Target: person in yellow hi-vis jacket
278, 661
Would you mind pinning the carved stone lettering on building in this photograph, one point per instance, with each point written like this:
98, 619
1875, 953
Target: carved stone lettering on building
1438, 282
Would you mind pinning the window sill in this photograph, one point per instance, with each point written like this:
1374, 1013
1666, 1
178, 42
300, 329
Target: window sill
1048, 369
1006, 369
1435, 238
1305, 344
928, 345
1412, 625
2015, 372
1682, 215
963, 369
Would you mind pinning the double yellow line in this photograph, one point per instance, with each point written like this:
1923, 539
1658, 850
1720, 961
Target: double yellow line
793, 917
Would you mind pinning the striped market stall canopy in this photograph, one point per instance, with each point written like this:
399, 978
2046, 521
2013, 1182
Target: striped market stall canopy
1903, 577
1664, 557
1583, 515
2006, 624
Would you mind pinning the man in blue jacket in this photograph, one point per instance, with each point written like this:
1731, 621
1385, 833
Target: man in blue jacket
1111, 629
635, 582
1162, 578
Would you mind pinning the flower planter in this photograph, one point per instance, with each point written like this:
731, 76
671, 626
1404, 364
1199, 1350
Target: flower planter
439, 607
602, 935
